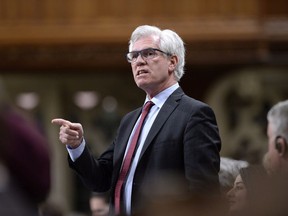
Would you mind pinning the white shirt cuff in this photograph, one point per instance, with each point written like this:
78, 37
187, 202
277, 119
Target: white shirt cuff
75, 153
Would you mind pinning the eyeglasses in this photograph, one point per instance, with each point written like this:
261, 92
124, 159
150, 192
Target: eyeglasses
146, 54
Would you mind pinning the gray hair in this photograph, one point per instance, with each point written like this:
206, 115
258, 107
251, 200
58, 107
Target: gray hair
278, 117
229, 169
169, 42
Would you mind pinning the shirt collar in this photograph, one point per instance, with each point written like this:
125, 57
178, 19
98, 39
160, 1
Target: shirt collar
160, 98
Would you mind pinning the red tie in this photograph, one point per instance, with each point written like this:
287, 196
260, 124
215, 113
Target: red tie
128, 158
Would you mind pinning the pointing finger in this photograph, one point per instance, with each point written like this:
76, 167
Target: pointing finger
60, 122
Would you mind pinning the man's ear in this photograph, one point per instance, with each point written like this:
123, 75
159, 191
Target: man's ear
173, 62
281, 145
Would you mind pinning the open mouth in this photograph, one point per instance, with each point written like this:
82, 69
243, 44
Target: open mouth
141, 72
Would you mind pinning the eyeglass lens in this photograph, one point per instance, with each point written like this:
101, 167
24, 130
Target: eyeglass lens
145, 53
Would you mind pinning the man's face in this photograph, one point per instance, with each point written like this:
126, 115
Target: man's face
272, 157
155, 74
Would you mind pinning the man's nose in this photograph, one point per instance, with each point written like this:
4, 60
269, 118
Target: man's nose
139, 59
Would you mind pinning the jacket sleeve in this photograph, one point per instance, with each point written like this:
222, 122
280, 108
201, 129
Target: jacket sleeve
96, 174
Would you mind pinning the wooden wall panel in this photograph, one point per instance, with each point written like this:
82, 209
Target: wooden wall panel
74, 11
82, 20
86, 10
53, 25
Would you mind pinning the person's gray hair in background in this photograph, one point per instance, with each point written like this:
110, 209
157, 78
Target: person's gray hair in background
278, 116
276, 158
229, 169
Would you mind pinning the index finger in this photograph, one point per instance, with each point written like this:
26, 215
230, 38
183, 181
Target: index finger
60, 122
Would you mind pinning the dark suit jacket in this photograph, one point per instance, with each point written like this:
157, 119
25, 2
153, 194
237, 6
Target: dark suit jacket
183, 141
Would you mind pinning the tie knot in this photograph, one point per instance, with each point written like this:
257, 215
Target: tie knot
147, 106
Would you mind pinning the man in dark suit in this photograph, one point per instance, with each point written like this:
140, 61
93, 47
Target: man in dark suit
179, 140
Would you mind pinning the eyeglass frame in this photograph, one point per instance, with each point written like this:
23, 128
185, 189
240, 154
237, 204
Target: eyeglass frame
140, 52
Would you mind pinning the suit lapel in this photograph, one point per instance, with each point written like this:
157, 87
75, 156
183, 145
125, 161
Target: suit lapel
166, 110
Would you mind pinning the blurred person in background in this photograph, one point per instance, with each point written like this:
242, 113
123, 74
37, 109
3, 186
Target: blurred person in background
272, 195
276, 158
24, 162
275, 161
99, 204
229, 170
180, 135
245, 191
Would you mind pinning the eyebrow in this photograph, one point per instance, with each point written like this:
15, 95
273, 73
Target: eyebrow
144, 49
238, 183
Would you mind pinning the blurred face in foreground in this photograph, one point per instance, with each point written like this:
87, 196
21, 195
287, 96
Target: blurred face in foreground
98, 206
237, 196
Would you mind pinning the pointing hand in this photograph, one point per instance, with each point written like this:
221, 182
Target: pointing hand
70, 133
